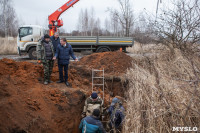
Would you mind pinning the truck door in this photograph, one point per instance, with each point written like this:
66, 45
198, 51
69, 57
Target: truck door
25, 35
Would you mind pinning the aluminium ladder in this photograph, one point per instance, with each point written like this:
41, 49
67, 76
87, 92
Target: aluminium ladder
98, 77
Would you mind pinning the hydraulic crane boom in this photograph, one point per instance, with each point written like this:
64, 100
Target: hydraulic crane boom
54, 21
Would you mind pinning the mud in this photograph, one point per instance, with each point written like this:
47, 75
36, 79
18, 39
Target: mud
26, 105
112, 62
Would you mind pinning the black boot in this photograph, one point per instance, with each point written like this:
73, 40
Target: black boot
59, 81
67, 84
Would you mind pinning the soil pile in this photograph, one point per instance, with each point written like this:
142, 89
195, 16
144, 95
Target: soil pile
26, 105
24, 71
112, 62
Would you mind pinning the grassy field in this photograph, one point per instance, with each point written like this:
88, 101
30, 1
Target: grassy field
163, 91
8, 46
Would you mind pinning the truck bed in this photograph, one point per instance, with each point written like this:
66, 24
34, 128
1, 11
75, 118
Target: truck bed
93, 42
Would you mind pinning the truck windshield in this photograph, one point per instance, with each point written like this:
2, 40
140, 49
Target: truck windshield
24, 31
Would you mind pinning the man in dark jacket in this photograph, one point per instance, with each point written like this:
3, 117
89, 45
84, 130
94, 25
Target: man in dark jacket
116, 113
92, 124
55, 40
45, 54
63, 53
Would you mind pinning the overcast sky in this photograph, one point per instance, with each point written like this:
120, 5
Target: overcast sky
37, 11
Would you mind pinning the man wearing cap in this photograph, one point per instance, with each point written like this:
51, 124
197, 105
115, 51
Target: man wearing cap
116, 113
91, 103
55, 40
45, 54
92, 124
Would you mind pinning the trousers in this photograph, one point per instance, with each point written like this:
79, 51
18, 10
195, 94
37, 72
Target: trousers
60, 67
48, 67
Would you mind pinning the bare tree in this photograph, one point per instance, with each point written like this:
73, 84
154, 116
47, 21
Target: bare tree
107, 26
80, 25
91, 20
124, 16
97, 28
8, 21
180, 26
143, 31
83, 22
62, 31
86, 22
115, 24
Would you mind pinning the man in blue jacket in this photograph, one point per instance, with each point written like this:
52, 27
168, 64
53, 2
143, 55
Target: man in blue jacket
92, 124
116, 113
63, 53
55, 40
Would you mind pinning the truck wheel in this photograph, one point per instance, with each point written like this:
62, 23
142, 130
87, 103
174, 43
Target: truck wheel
32, 53
103, 49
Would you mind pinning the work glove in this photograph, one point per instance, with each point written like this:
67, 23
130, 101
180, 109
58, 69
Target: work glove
83, 114
39, 61
103, 117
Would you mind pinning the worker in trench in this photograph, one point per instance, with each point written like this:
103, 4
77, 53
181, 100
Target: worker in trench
91, 103
92, 123
63, 53
45, 54
116, 116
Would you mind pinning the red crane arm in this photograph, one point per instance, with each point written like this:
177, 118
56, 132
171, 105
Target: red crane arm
54, 21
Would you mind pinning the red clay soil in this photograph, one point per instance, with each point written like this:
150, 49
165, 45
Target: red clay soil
112, 62
26, 105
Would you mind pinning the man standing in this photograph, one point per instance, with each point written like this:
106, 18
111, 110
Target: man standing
116, 113
91, 103
63, 53
45, 54
55, 40
92, 124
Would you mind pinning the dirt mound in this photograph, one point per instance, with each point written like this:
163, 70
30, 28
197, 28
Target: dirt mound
112, 62
26, 105
22, 72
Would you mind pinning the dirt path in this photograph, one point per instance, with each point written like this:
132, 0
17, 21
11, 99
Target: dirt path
26, 58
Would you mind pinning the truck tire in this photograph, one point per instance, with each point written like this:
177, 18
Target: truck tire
103, 49
32, 53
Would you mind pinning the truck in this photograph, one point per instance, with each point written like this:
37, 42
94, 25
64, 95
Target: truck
29, 35
27, 39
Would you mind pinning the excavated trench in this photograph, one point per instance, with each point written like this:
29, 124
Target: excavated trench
26, 105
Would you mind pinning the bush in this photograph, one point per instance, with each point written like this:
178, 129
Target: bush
8, 46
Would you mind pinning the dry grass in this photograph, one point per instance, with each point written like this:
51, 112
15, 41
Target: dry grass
164, 92
145, 48
8, 46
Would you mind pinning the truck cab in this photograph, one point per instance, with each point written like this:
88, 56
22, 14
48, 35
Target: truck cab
29, 35
27, 39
